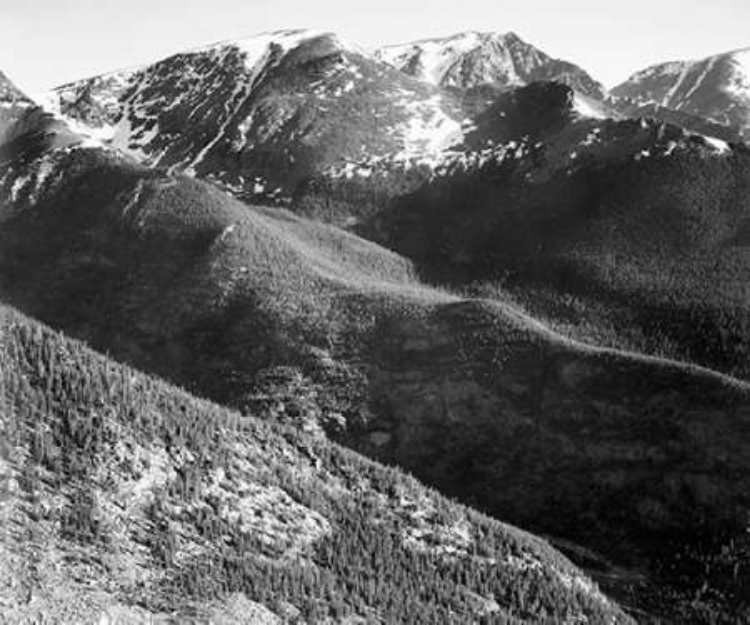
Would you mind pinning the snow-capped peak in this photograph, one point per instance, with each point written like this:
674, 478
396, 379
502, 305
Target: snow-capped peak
256, 47
474, 58
271, 108
439, 61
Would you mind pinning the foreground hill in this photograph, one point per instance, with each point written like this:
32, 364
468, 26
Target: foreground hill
716, 88
641, 461
260, 114
126, 499
473, 60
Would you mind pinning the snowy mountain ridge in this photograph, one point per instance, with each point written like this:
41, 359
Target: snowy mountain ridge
112, 93
259, 113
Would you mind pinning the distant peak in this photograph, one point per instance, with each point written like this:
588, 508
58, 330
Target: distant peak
477, 35
254, 46
678, 65
730, 53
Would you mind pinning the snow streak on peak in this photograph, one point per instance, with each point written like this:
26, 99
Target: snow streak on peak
435, 60
264, 111
474, 59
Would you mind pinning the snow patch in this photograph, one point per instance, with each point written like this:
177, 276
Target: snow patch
433, 57
593, 137
432, 60
722, 147
739, 83
221, 134
259, 47
681, 76
429, 129
18, 186
588, 107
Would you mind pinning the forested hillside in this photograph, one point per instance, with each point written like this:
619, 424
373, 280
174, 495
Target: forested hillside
127, 499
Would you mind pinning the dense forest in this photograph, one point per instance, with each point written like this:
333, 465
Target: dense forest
110, 470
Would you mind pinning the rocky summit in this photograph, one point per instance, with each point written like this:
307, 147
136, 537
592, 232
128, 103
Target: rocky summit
475, 59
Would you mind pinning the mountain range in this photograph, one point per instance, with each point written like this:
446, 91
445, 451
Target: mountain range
262, 113
458, 257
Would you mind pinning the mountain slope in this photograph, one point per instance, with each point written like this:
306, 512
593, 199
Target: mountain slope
545, 128
474, 59
638, 224
9, 93
126, 499
27, 134
634, 109
258, 115
716, 88
303, 323
655, 246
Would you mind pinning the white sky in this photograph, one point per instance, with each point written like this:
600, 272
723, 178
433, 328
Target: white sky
48, 42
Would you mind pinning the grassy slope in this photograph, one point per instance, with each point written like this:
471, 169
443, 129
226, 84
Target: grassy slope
125, 496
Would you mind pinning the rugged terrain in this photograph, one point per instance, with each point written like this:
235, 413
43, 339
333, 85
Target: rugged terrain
627, 233
546, 319
127, 500
471, 60
302, 323
258, 115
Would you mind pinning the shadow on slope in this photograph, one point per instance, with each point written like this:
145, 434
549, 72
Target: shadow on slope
656, 243
644, 461
625, 233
